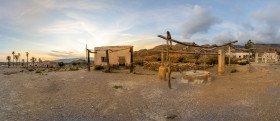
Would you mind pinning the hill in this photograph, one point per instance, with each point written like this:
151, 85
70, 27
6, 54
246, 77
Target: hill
72, 60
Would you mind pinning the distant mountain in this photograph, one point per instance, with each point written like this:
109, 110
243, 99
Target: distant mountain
71, 60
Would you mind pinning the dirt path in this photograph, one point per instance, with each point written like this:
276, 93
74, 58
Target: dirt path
82, 95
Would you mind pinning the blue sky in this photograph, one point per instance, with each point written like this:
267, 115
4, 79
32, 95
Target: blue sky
55, 29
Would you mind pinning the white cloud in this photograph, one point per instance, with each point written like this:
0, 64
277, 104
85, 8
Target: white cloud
223, 37
200, 21
266, 27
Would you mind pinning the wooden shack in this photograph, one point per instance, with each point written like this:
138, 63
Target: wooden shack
118, 55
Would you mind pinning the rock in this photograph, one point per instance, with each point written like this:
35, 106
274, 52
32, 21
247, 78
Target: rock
196, 76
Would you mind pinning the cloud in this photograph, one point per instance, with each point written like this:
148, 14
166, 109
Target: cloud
65, 54
223, 37
200, 21
64, 27
263, 28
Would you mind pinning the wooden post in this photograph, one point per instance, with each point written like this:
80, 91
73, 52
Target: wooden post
88, 58
169, 63
107, 59
221, 65
27, 66
257, 57
162, 58
131, 60
162, 69
86, 52
204, 61
249, 61
229, 54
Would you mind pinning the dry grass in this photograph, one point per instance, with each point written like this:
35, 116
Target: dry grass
10, 73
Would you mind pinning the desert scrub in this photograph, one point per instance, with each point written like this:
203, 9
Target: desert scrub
117, 86
38, 72
74, 69
242, 63
171, 116
139, 62
31, 69
233, 71
9, 73
61, 64
212, 60
98, 68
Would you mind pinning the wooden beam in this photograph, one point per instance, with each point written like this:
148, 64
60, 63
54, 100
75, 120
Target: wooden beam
195, 45
131, 60
183, 43
192, 53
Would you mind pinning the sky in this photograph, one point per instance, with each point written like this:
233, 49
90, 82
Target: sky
56, 29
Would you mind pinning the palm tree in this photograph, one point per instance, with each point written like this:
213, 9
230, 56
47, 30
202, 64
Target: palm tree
9, 60
40, 60
13, 57
16, 57
22, 62
27, 59
33, 59
19, 58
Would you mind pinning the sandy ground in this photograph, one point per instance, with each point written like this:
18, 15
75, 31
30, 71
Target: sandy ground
82, 95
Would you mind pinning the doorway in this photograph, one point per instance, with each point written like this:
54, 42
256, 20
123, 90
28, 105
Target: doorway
121, 60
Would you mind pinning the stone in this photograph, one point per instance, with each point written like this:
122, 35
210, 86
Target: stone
196, 76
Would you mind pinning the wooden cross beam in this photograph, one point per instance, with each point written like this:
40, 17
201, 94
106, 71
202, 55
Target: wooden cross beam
168, 46
190, 53
195, 45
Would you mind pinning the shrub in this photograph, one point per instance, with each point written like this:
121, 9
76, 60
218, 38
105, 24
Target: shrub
139, 62
9, 73
232, 61
38, 71
233, 71
117, 86
242, 63
61, 64
74, 69
98, 68
212, 60
181, 59
30, 69
171, 116
158, 59
74, 64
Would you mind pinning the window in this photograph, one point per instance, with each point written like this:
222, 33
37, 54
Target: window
103, 59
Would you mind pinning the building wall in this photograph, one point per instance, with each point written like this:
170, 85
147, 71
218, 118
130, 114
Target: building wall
114, 55
270, 57
240, 55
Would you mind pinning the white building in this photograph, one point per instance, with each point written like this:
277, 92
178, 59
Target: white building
270, 57
239, 55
